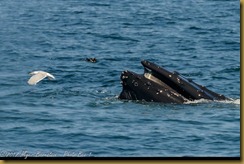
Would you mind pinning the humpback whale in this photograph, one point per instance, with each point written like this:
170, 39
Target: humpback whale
158, 84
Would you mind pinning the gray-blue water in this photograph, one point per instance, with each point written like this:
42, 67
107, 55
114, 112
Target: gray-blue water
78, 114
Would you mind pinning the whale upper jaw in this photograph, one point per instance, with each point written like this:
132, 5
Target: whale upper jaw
160, 85
139, 87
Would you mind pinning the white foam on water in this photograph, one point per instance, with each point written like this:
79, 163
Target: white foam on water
232, 101
197, 101
237, 101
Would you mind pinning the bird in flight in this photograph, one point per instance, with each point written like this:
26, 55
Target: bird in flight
38, 76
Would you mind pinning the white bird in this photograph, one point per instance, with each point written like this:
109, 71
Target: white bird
38, 76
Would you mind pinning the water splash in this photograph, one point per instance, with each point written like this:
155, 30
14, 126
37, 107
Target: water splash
197, 101
232, 101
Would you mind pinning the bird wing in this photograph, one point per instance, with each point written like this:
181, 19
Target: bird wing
50, 76
36, 78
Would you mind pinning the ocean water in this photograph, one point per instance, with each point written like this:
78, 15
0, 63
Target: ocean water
79, 114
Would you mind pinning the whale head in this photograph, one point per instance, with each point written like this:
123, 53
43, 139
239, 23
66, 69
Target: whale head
157, 84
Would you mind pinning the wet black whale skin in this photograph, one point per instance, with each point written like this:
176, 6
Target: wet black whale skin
169, 87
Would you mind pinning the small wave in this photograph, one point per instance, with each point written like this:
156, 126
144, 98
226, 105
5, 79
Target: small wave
231, 69
232, 101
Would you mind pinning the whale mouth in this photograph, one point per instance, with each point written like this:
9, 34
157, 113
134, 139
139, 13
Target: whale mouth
160, 85
147, 87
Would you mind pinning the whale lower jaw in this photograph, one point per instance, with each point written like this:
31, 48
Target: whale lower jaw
157, 84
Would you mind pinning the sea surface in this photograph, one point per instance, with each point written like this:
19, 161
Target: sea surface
79, 114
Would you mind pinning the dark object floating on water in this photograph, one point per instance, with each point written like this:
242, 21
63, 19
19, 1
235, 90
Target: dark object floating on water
92, 60
160, 85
